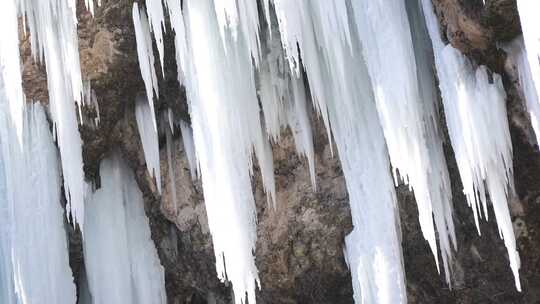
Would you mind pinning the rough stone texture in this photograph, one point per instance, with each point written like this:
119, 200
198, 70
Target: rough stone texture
299, 249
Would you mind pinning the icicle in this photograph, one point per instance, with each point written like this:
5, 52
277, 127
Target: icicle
90, 99
53, 34
10, 63
189, 149
272, 91
438, 178
156, 20
530, 78
414, 146
340, 86
97, 119
226, 125
170, 120
121, 260
90, 5
301, 125
146, 57
31, 215
266, 5
475, 111
149, 138
171, 166
297, 33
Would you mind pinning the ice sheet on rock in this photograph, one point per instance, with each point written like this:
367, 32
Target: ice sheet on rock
149, 138
189, 149
31, 215
53, 36
10, 63
340, 86
517, 52
121, 260
475, 109
530, 24
145, 54
407, 113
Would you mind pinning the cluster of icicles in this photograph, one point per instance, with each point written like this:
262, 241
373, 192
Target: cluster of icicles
366, 66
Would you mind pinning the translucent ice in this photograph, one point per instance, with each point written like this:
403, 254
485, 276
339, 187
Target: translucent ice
121, 260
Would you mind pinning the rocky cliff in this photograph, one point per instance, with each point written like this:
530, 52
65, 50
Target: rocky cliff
300, 241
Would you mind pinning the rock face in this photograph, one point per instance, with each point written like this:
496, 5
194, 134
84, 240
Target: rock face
299, 249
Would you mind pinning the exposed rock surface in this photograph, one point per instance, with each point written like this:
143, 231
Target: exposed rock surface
299, 250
